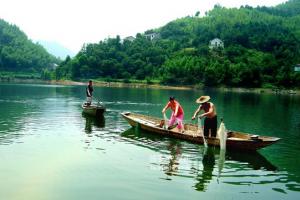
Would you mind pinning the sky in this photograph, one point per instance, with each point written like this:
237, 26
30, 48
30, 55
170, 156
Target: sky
72, 23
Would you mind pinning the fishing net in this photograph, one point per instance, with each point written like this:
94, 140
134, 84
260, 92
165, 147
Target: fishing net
200, 130
221, 162
166, 121
222, 135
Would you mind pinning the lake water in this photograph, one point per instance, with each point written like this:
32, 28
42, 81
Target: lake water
49, 150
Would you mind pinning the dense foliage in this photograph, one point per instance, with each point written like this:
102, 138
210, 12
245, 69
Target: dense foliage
261, 48
18, 53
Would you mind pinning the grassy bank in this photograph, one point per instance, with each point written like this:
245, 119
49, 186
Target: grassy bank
19, 75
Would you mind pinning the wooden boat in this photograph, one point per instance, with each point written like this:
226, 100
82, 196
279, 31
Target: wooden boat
235, 140
93, 110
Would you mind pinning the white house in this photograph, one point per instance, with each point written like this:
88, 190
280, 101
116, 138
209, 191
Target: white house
152, 36
297, 68
216, 43
130, 38
53, 66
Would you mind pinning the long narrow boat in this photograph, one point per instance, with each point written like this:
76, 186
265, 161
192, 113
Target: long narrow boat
93, 110
235, 140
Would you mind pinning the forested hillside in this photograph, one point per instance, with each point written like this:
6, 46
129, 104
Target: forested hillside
18, 53
261, 48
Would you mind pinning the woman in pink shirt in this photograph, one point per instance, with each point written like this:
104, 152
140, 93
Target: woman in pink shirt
177, 113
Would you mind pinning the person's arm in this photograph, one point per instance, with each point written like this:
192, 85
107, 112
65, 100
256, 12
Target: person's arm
165, 108
210, 111
196, 112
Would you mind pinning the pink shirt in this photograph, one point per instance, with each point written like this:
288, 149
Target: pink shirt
173, 104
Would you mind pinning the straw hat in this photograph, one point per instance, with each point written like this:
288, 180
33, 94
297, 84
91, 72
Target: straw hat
203, 99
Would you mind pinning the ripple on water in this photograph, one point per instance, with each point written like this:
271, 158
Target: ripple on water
150, 157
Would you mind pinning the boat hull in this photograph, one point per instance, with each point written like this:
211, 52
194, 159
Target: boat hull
93, 110
235, 140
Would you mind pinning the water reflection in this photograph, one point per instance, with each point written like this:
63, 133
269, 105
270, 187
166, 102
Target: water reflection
204, 178
204, 165
98, 122
16, 117
173, 162
255, 160
221, 162
50, 117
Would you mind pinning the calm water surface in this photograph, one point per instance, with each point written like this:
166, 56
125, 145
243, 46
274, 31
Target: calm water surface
49, 150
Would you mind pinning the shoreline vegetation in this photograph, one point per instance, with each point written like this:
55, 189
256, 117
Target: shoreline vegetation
246, 49
145, 84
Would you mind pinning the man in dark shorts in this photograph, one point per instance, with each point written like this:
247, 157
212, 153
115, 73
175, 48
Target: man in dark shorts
89, 93
210, 114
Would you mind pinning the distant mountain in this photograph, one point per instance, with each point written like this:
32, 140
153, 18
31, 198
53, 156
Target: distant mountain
18, 53
56, 49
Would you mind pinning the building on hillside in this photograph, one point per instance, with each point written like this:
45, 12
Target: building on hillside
152, 36
216, 43
129, 38
53, 66
297, 68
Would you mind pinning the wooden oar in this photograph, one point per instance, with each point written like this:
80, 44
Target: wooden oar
200, 128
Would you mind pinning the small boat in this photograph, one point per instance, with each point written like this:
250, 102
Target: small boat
93, 110
235, 140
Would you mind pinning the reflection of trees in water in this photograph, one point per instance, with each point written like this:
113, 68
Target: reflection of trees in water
16, 115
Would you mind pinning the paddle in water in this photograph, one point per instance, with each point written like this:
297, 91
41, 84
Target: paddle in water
200, 129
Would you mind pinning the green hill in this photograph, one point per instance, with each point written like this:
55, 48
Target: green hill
261, 48
19, 54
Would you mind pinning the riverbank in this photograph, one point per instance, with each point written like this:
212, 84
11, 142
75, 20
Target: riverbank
188, 87
95, 83
137, 85
154, 86
260, 90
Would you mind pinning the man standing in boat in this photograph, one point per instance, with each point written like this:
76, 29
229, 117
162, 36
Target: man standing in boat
89, 93
177, 113
210, 114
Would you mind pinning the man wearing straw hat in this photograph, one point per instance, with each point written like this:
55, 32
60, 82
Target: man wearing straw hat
210, 114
